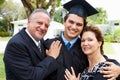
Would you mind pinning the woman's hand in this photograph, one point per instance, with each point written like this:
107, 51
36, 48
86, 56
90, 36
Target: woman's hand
71, 76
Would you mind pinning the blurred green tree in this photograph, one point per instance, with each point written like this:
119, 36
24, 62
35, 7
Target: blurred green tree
99, 18
10, 11
2, 1
30, 5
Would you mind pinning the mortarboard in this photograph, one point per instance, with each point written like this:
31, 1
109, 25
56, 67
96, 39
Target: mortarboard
80, 7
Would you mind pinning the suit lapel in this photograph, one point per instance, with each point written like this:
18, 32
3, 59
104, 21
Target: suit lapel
32, 46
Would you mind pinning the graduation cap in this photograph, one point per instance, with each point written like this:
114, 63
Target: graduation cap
80, 7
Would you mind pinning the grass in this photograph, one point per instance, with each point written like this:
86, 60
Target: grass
2, 70
4, 38
108, 49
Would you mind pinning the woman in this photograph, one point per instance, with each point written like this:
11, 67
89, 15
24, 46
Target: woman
92, 45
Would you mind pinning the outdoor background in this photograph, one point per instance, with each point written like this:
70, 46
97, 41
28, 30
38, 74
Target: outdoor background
14, 13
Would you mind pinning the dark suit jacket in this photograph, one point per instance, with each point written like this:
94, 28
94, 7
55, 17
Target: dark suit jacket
23, 60
74, 57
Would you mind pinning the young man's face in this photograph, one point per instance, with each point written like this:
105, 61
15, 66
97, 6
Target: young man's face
73, 26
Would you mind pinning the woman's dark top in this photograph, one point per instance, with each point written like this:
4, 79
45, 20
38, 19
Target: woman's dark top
95, 74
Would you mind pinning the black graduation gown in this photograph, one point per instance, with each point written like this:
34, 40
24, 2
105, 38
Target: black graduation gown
74, 57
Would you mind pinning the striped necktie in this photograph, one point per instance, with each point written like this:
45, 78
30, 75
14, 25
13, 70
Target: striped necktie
39, 46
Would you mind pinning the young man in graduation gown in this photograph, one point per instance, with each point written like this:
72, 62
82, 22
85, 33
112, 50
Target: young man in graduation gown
71, 53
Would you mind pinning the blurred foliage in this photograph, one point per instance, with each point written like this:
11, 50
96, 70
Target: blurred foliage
30, 5
117, 35
3, 25
99, 18
108, 37
10, 11
58, 15
2, 1
5, 34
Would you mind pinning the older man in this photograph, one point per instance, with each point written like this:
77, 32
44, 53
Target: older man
23, 59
